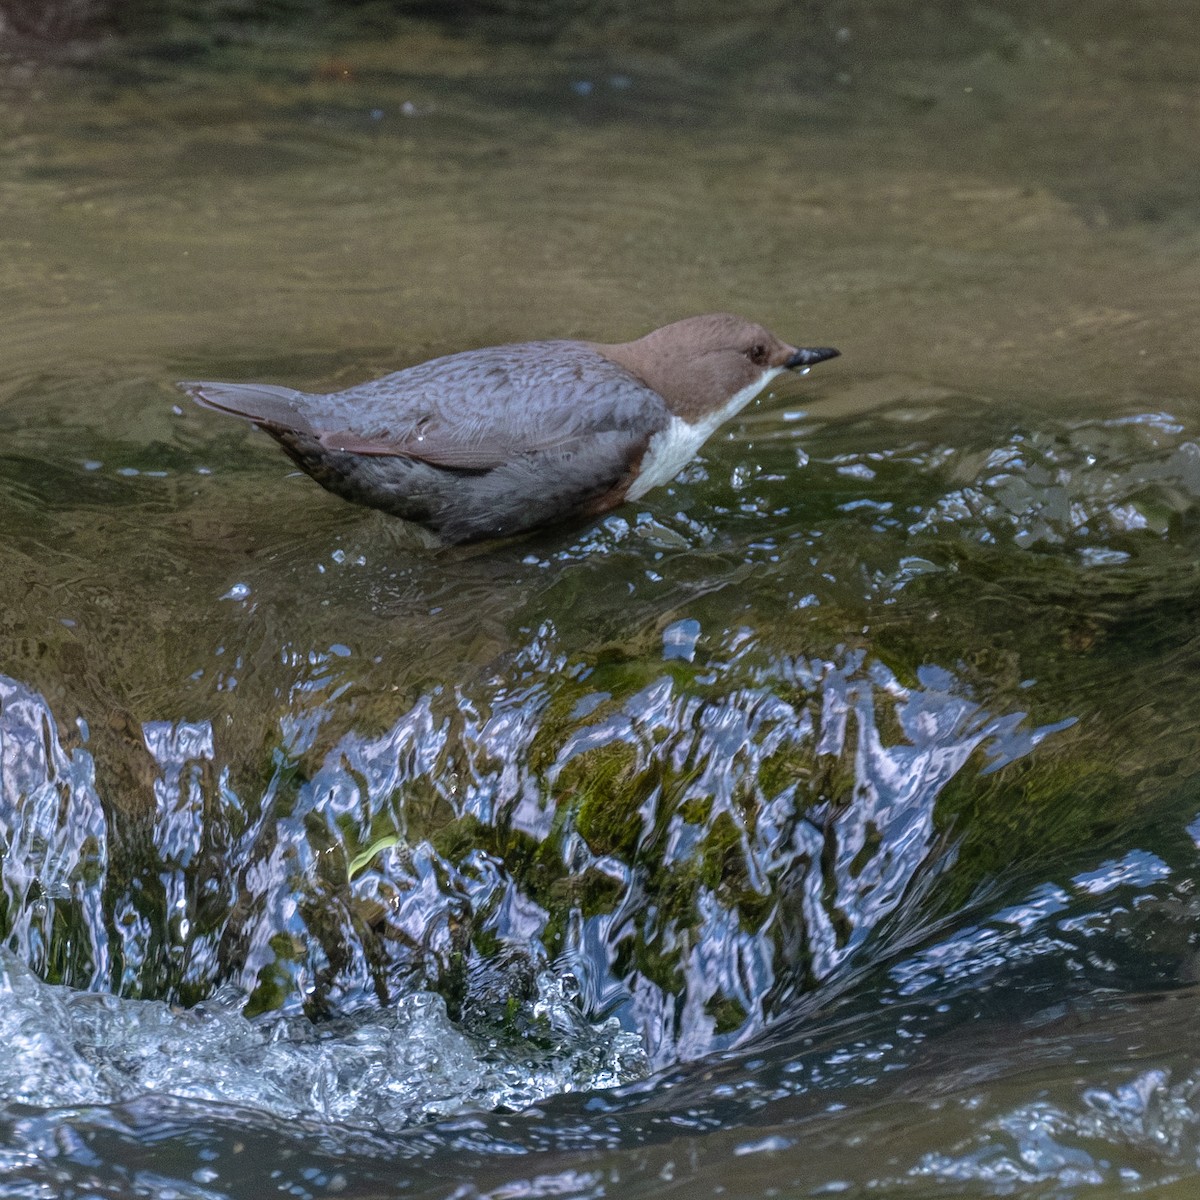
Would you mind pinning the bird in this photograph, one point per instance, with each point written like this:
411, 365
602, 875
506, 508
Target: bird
495, 442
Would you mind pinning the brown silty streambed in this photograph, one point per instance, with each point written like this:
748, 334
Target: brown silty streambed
777, 750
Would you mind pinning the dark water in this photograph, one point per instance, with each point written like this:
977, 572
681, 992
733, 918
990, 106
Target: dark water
825, 823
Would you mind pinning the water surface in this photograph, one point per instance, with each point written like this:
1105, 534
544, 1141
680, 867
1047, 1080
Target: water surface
823, 823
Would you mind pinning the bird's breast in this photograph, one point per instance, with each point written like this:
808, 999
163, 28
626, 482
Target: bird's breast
671, 449
667, 453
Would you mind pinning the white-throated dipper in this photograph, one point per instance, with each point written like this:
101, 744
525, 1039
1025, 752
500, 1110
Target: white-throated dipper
493, 442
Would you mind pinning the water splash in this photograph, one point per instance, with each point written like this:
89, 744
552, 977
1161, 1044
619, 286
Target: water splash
1090, 481
386, 1071
692, 845
53, 843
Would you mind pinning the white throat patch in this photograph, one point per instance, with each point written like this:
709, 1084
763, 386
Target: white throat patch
673, 448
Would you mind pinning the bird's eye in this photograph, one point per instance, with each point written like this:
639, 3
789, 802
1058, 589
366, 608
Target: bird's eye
757, 353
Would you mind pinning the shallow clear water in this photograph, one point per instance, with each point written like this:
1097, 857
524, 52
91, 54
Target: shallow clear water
825, 823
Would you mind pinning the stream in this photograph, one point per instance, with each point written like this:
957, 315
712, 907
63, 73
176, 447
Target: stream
826, 822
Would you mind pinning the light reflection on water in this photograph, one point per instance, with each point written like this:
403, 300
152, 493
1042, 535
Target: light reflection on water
934, 1068
786, 804
325, 893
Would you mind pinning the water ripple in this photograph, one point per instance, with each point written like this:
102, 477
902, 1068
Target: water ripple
687, 848
54, 835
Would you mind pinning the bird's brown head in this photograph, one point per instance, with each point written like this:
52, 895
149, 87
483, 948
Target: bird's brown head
699, 364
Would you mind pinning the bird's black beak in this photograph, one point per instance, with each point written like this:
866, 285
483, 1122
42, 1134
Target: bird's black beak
806, 358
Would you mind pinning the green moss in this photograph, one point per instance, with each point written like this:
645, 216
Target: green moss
455, 840
786, 767
696, 810
728, 1013
721, 853
276, 979
834, 779
745, 803
420, 810
674, 889
647, 955
754, 908
591, 893
722, 868
870, 847
610, 791
613, 675
1035, 807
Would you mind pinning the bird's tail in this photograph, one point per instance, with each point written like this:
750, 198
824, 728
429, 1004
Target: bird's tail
263, 403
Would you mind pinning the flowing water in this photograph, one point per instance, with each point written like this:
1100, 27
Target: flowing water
827, 822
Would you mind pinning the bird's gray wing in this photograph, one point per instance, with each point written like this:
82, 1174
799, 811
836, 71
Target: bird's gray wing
476, 411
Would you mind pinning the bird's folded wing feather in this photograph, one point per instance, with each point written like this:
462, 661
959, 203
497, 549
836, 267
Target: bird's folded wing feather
478, 410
